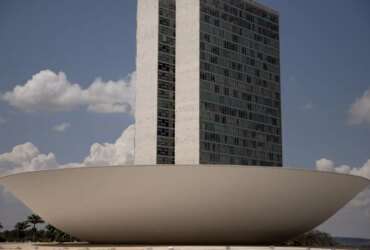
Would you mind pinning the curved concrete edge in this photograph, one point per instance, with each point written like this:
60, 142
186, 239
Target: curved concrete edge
33, 188
365, 180
87, 246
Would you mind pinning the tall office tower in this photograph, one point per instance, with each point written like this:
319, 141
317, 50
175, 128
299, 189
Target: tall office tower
228, 107
155, 98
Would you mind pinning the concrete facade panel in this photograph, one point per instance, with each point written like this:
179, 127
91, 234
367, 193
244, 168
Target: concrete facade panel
164, 204
147, 82
187, 82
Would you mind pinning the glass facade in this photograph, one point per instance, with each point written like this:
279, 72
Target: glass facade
166, 83
240, 105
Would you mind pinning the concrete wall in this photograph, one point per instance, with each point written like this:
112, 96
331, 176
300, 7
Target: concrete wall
147, 82
187, 82
79, 246
198, 205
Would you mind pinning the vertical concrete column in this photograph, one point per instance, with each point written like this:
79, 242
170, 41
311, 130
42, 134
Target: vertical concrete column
147, 81
187, 82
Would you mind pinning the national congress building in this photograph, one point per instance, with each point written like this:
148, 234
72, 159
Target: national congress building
208, 92
208, 83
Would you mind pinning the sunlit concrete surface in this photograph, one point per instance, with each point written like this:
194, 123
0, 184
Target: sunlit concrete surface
192, 205
51, 246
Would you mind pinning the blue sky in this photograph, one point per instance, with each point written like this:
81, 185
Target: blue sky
325, 49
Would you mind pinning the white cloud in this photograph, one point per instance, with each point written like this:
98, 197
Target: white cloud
111, 96
61, 127
27, 157
325, 165
119, 153
360, 110
363, 199
328, 165
53, 92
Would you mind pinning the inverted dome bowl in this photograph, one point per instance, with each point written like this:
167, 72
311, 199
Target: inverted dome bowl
184, 204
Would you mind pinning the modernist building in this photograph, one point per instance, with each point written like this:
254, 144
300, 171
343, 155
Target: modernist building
155, 95
208, 83
208, 91
187, 205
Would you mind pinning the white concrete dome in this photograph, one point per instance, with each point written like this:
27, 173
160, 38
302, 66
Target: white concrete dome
184, 204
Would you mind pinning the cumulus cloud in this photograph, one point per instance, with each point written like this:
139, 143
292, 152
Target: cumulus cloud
120, 152
27, 157
60, 128
328, 165
360, 110
53, 92
325, 165
363, 199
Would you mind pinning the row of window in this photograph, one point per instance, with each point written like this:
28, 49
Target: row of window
214, 77
266, 115
166, 94
235, 7
165, 39
168, 4
226, 46
166, 104
166, 85
244, 54
239, 71
167, 13
239, 99
216, 158
165, 151
247, 40
256, 86
167, 49
165, 159
165, 113
166, 58
165, 141
247, 66
235, 145
241, 123
167, 123
263, 37
166, 82
166, 67
166, 132
243, 133
167, 22
224, 20
167, 31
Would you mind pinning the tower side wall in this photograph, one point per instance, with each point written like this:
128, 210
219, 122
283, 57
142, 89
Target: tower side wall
187, 82
147, 82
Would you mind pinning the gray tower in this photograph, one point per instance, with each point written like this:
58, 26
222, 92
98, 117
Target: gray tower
223, 104
155, 98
